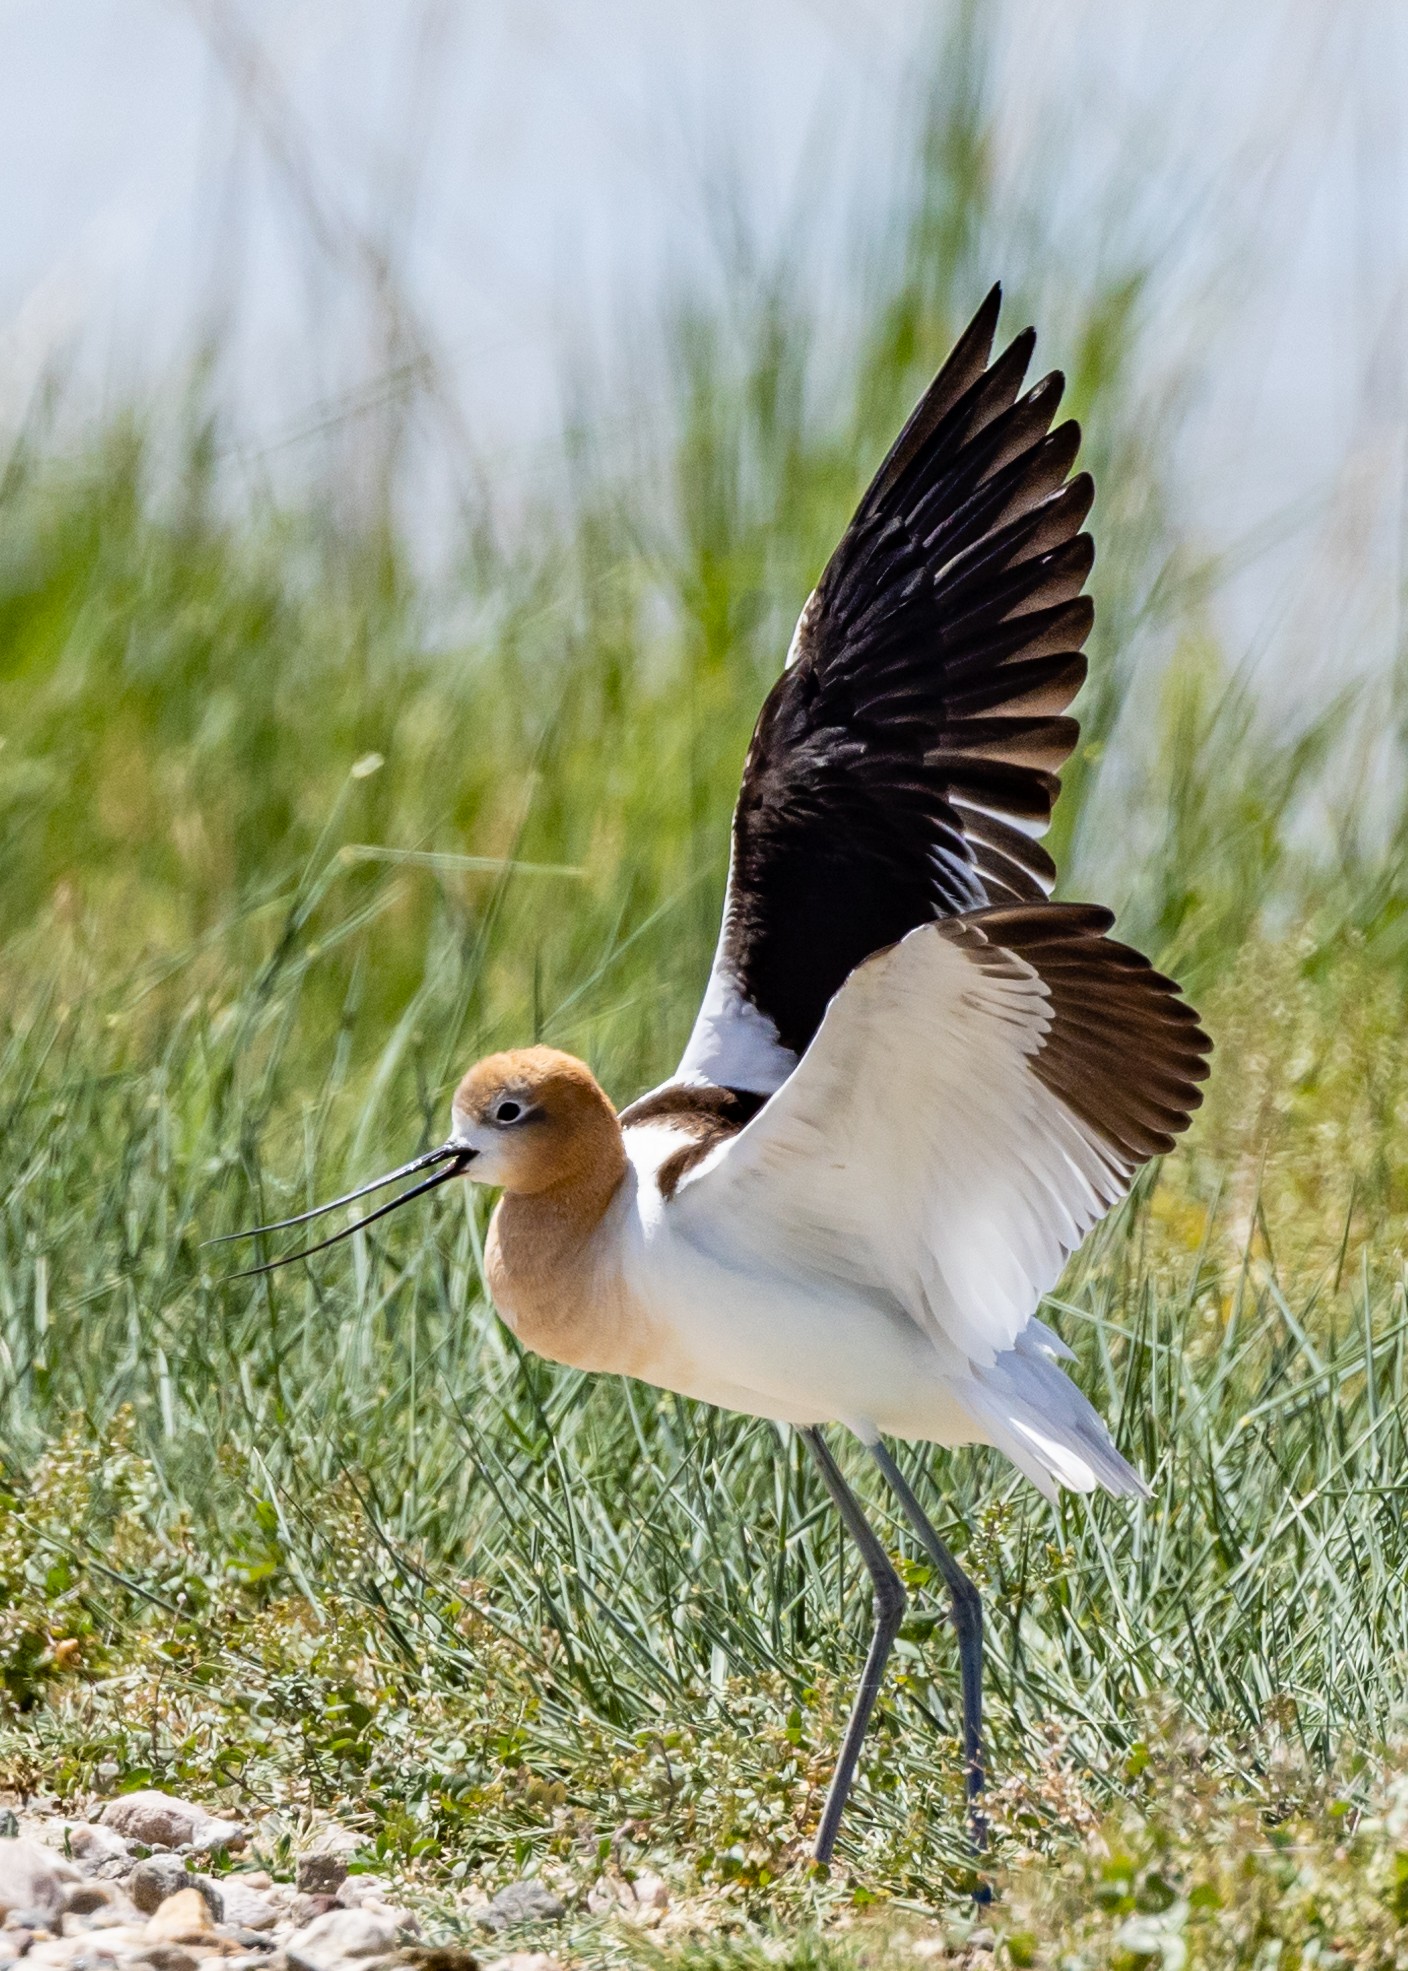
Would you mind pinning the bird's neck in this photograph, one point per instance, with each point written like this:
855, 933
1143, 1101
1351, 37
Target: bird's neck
549, 1268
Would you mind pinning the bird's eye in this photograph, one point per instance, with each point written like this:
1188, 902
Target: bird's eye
508, 1112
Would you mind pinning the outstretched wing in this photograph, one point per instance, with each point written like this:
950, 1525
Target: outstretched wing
975, 1100
907, 755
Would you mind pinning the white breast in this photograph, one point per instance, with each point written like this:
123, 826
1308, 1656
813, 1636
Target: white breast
751, 1338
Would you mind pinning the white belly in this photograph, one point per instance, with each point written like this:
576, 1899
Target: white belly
772, 1347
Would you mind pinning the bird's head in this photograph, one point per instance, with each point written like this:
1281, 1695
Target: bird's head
532, 1121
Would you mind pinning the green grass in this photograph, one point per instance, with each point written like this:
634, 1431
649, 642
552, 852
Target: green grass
292, 831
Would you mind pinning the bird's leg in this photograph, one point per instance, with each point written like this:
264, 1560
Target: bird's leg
889, 1609
968, 1625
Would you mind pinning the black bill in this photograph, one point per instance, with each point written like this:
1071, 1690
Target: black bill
454, 1158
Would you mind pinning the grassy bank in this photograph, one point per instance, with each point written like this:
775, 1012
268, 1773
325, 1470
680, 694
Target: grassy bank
293, 831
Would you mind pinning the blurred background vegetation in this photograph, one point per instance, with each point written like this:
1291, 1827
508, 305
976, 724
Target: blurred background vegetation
297, 819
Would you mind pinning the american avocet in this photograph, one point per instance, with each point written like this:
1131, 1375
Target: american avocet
915, 1082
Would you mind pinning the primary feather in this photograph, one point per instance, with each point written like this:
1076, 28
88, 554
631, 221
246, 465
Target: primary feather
907, 757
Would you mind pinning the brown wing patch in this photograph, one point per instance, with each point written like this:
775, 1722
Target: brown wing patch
1124, 1051
703, 1111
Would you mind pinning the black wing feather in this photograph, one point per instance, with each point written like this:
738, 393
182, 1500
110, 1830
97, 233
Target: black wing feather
923, 714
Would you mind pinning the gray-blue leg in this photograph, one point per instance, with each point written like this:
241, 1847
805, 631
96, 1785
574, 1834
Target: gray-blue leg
968, 1625
889, 1612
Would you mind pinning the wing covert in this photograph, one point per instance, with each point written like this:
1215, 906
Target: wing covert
976, 1099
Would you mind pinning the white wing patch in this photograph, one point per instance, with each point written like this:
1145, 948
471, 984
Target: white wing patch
799, 635
914, 1156
732, 1043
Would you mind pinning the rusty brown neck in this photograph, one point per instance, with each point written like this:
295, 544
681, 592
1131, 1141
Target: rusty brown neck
545, 1227
556, 1294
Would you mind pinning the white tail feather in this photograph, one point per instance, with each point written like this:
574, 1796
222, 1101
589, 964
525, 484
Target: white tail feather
1031, 1411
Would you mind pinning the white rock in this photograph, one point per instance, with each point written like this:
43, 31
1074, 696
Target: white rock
359, 1889
304, 1909
91, 1843
116, 1870
524, 1960
124, 1941
342, 1936
407, 1924
245, 1908
33, 1877
100, 1948
102, 1919
160, 1820
650, 1890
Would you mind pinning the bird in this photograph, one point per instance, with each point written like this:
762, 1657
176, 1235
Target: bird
916, 1080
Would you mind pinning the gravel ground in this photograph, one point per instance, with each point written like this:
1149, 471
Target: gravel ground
154, 1881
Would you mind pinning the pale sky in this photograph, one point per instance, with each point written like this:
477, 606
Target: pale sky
538, 169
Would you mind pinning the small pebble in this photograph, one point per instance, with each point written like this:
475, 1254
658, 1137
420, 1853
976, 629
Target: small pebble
342, 1937
307, 1909
321, 1874
92, 1844
358, 1889
521, 1902
244, 1908
165, 1957
161, 1876
86, 1898
182, 1919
